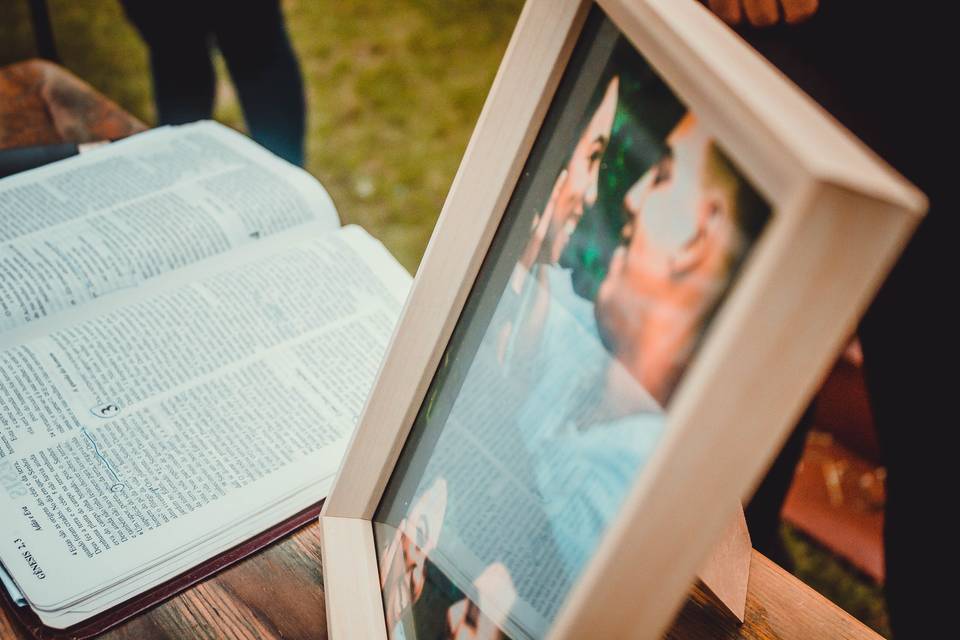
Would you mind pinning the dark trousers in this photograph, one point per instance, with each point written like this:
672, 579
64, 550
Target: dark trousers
880, 68
253, 40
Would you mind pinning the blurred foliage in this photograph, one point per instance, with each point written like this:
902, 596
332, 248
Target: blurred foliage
837, 580
393, 91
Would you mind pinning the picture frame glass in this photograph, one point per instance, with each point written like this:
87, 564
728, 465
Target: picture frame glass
625, 232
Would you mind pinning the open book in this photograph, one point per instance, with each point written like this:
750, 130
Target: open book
186, 340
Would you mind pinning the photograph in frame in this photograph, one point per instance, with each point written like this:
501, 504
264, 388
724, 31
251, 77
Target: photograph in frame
625, 232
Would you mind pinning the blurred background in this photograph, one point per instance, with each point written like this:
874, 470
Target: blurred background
393, 90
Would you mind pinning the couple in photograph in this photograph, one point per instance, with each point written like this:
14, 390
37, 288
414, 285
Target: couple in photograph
645, 229
625, 264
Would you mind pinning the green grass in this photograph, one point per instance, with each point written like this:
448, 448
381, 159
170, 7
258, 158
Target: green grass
837, 580
393, 90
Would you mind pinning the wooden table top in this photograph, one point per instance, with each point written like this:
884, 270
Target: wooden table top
278, 592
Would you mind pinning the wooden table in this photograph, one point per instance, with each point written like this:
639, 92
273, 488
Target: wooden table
278, 593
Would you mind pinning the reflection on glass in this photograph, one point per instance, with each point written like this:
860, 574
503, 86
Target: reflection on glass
624, 233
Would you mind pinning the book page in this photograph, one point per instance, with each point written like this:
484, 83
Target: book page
109, 219
148, 425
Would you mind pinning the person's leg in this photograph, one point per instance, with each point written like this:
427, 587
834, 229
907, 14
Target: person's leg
178, 37
907, 332
877, 67
253, 39
907, 367
763, 510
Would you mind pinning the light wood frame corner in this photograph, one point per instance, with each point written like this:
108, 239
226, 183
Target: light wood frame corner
841, 217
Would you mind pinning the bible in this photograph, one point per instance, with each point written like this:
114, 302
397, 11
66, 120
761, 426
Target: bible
187, 337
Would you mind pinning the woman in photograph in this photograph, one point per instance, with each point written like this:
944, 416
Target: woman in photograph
573, 239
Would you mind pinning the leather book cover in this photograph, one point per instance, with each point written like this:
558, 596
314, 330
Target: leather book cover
106, 620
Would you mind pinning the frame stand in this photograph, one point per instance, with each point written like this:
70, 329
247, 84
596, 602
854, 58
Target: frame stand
727, 571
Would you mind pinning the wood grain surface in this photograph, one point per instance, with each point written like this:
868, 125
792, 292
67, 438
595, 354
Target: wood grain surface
278, 593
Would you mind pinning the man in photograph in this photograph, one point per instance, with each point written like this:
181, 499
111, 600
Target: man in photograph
689, 223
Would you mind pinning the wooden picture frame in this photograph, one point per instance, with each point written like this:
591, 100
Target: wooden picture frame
840, 217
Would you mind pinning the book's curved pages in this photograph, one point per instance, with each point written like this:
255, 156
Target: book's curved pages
203, 339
